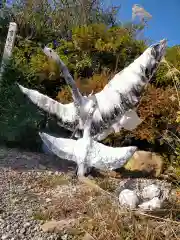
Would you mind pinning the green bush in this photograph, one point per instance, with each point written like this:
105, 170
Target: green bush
19, 121
94, 47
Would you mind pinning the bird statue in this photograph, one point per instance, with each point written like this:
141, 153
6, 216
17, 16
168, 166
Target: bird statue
86, 152
116, 102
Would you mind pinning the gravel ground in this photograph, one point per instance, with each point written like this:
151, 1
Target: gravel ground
33, 185
20, 196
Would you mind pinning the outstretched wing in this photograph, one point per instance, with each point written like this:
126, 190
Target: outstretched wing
123, 92
65, 113
61, 147
129, 121
99, 155
109, 158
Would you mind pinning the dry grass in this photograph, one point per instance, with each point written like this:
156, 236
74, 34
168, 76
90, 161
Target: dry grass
100, 215
52, 181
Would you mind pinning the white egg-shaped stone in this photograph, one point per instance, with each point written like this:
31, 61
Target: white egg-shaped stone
151, 191
128, 198
152, 204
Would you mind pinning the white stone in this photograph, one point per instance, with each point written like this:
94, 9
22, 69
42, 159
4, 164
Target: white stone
5, 236
48, 200
153, 204
151, 191
128, 198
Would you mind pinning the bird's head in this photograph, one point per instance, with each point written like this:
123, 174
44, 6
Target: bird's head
51, 54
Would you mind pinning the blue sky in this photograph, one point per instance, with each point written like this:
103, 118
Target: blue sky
165, 22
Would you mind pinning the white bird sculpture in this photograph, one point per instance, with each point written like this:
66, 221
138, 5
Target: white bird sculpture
118, 98
86, 152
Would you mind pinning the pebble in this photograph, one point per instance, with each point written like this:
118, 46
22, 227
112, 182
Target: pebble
27, 225
5, 236
64, 237
22, 231
48, 200
151, 191
152, 204
19, 204
128, 198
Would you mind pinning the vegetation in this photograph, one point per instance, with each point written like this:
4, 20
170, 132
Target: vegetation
94, 46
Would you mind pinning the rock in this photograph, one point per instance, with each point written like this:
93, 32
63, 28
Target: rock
26, 225
22, 231
153, 204
151, 191
145, 162
64, 237
29, 212
58, 226
128, 198
5, 236
48, 200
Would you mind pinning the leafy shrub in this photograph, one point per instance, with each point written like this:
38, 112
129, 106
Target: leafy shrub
169, 70
33, 63
166, 76
86, 86
19, 121
159, 130
93, 47
158, 115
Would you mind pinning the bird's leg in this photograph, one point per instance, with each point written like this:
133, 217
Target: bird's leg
81, 171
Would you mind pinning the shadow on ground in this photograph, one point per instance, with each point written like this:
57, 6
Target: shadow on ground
19, 160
